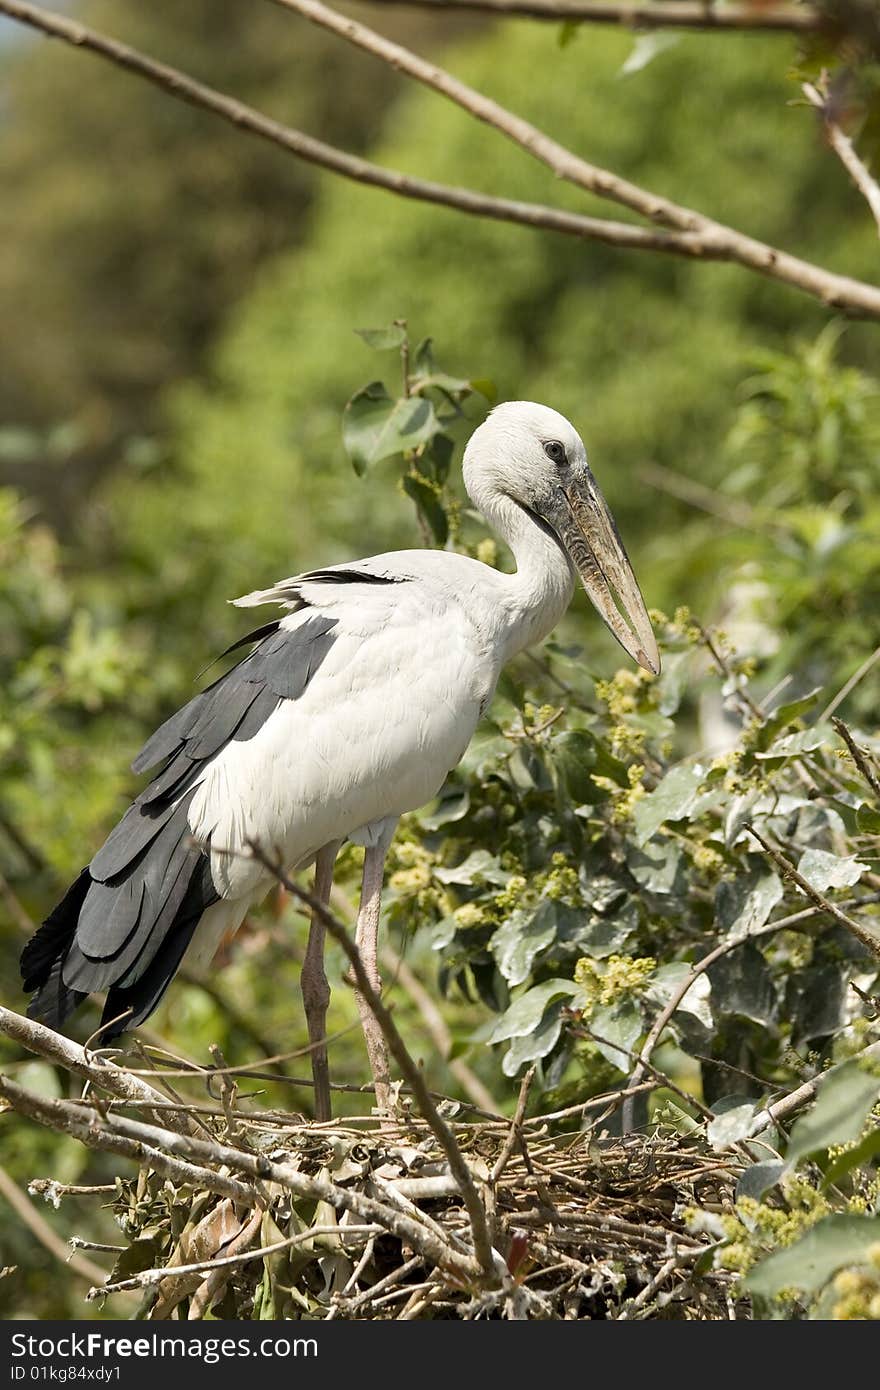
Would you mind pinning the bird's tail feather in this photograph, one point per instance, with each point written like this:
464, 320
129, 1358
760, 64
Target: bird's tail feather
90, 942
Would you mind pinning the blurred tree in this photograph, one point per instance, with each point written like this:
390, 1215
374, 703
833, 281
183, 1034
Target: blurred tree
136, 222
645, 353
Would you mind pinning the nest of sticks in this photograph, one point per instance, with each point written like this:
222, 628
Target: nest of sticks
436, 1210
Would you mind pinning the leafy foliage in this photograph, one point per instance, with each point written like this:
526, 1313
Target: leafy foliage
596, 845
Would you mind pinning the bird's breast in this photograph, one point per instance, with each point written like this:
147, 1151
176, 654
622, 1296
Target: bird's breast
374, 734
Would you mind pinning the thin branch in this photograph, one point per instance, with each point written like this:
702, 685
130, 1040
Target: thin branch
787, 1106
209, 1290
438, 1032
861, 762
671, 14
710, 241
788, 870
561, 161
849, 687
515, 1134
480, 1097
704, 499
647, 1293
844, 149
84, 1124
315, 1188
36, 1037
239, 1256
39, 1227
412, 1073
697, 969
171, 1155
724, 667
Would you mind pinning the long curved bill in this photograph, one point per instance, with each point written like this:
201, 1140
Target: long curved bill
589, 534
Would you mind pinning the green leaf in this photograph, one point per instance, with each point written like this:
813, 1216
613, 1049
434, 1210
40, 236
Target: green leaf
742, 984
616, 1029
423, 357
526, 1012
809, 1263
823, 870
451, 805
745, 903
731, 1126
792, 745
758, 1179
658, 868
668, 979
375, 427
672, 800
846, 1098
142, 1254
485, 388
566, 32
573, 755
429, 505
783, 717
532, 1046
437, 458
816, 1001
480, 867
522, 938
383, 339
856, 1157
868, 820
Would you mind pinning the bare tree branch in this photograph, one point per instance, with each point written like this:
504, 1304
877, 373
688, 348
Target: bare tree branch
671, 14
710, 241
438, 1032
786, 1106
859, 758
844, 149
36, 1037
699, 968
39, 1227
429, 1013
83, 1123
868, 938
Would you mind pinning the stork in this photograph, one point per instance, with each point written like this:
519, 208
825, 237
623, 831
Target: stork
349, 710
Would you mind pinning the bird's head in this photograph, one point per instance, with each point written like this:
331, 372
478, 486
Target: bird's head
533, 457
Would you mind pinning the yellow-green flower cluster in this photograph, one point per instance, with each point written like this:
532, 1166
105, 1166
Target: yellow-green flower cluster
561, 883
410, 878
620, 694
708, 861
627, 742
626, 801
605, 981
471, 915
858, 1291
511, 894
487, 551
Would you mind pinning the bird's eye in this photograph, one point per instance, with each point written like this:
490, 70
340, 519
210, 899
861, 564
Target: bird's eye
555, 451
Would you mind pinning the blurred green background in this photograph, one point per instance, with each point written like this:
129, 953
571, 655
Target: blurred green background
178, 313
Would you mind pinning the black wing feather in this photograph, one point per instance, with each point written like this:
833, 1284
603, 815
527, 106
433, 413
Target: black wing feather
125, 923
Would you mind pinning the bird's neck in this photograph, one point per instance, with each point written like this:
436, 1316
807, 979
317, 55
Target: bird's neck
539, 592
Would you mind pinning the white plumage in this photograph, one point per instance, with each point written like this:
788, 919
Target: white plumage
350, 711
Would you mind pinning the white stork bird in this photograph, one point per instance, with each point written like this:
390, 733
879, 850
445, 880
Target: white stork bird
349, 710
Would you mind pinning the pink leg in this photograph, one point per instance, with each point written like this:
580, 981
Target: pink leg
314, 986
366, 935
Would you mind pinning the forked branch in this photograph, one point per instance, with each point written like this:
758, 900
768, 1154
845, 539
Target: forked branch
707, 240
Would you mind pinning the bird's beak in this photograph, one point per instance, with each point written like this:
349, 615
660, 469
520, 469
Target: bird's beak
588, 531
